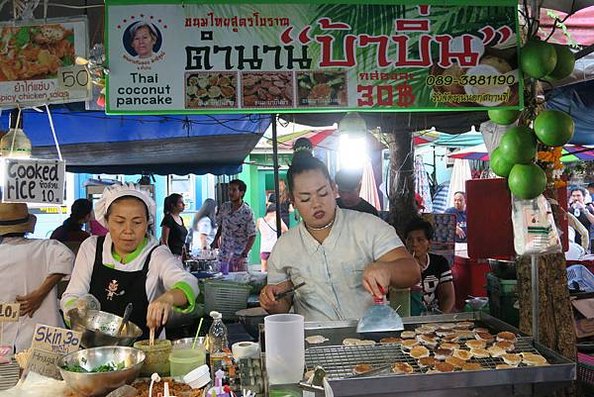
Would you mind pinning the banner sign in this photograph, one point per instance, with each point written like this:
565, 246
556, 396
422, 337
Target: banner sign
48, 345
307, 57
32, 181
37, 62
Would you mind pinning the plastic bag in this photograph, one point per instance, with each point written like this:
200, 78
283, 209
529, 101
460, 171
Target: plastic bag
535, 231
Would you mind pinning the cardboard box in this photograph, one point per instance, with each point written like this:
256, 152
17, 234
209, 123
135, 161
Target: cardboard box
583, 314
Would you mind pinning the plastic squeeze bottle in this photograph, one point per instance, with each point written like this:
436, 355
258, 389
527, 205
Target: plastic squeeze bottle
218, 345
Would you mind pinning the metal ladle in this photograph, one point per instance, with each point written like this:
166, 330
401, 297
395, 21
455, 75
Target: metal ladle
125, 319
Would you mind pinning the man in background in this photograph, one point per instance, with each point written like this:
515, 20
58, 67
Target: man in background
349, 188
459, 209
237, 230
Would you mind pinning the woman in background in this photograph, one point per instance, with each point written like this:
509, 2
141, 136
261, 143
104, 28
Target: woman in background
173, 230
268, 236
204, 225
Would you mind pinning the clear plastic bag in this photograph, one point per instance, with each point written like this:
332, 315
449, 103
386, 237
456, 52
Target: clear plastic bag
535, 231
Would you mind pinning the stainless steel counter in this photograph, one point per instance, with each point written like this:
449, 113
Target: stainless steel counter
339, 360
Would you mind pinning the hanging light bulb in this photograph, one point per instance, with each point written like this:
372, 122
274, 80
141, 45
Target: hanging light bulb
352, 124
15, 142
352, 144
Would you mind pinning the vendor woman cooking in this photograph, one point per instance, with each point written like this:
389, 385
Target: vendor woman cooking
129, 265
343, 256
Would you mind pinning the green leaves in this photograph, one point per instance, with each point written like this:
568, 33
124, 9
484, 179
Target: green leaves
22, 37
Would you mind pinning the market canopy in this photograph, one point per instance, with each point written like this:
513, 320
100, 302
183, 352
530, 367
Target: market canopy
93, 142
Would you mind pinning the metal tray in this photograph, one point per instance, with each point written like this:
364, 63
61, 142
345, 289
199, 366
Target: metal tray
339, 360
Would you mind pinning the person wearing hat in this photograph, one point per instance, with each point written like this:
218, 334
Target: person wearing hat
349, 187
31, 269
128, 265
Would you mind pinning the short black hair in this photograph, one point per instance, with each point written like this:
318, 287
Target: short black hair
576, 189
240, 184
81, 208
304, 161
590, 185
420, 224
348, 179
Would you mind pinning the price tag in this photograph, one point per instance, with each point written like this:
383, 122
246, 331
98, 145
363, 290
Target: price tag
9, 312
75, 79
48, 345
44, 363
54, 339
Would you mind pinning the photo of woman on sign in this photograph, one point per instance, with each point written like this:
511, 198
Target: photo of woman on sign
142, 40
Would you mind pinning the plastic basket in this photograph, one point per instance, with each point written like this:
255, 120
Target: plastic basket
225, 297
585, 372
582, 276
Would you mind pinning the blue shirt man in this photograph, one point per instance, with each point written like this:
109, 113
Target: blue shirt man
459, 209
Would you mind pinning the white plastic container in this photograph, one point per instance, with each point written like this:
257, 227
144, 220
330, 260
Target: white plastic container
198, 377
285, 348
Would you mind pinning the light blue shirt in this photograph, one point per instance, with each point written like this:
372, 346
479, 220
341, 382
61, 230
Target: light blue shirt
332, 270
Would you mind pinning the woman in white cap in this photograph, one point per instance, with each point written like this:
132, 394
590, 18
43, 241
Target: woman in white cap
128, 264
31, 269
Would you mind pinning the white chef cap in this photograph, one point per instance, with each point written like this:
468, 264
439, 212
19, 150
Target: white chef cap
113, 192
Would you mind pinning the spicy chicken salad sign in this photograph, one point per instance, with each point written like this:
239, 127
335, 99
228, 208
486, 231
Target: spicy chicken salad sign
37, 62
306, 56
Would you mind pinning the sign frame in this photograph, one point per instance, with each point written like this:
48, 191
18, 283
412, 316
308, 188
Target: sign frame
377, 97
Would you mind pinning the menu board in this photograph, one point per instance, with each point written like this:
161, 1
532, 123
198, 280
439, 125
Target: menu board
190, 57
37, 62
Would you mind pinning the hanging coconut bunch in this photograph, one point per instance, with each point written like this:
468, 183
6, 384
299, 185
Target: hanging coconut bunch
529, 152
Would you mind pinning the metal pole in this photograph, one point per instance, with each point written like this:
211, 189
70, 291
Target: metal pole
276, 167
535, 310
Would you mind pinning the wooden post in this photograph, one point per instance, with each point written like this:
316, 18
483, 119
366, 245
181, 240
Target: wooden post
402, 181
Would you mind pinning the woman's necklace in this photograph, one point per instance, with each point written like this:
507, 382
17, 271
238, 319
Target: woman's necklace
425, 266
317, 229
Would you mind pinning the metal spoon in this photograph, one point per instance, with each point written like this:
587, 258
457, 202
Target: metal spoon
125, 319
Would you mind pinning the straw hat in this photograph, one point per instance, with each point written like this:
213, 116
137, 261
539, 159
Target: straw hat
113, 192
15, 218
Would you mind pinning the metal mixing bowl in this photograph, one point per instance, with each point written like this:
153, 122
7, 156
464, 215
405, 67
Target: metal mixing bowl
99, 329
250, 318
101, 383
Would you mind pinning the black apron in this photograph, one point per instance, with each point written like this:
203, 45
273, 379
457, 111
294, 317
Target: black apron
115, 289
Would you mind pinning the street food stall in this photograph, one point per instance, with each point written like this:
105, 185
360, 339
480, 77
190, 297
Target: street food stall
250, 59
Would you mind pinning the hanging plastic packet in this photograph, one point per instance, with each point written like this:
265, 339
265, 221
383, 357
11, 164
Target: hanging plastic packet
535, 231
